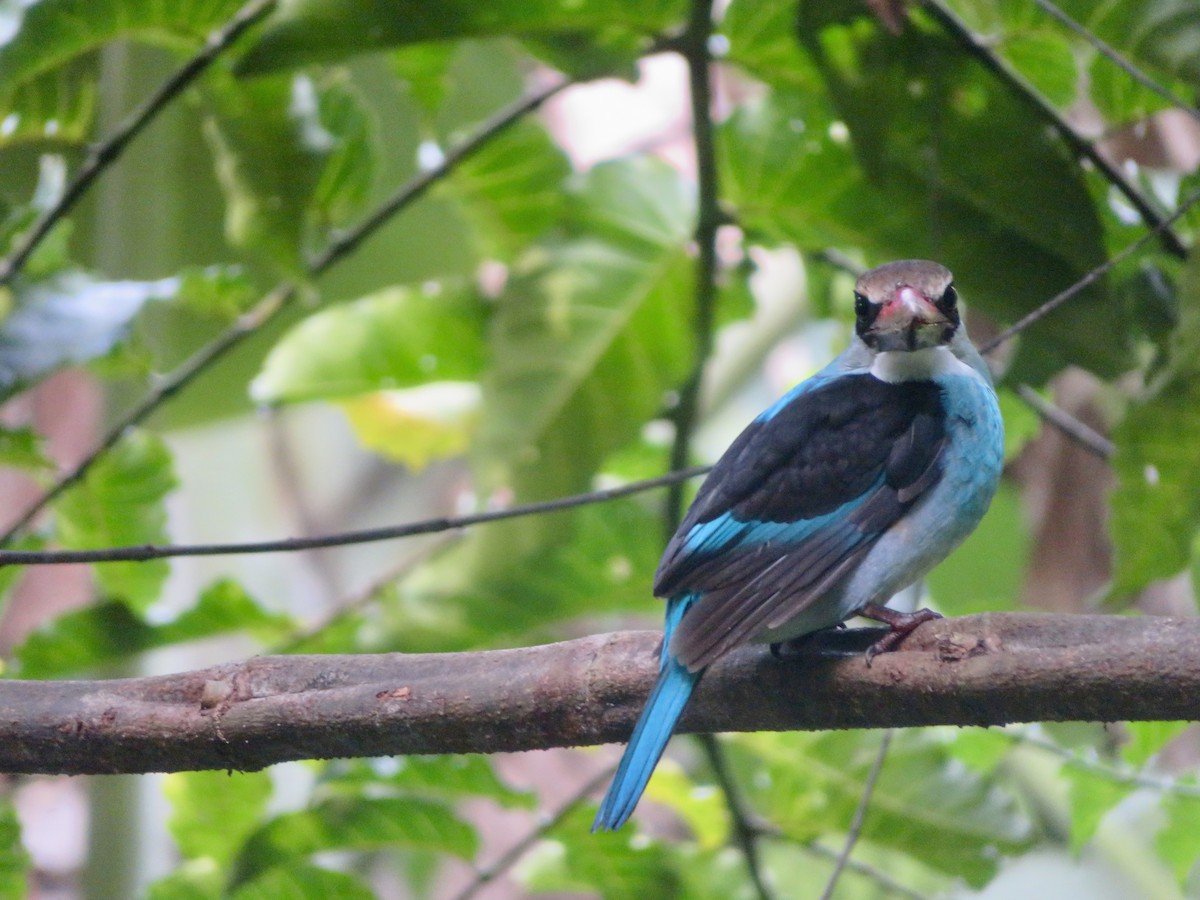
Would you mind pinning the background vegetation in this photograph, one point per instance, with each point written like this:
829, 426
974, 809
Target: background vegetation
289, 304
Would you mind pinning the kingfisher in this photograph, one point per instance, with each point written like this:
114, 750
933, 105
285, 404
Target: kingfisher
848, 489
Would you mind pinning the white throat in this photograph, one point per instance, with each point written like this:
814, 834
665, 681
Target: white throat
920, 365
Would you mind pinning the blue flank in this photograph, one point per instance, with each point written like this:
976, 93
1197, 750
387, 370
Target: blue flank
667, 701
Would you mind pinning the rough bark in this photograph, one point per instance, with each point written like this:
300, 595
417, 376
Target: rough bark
978, 670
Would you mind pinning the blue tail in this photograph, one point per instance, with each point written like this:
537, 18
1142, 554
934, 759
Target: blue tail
667, 701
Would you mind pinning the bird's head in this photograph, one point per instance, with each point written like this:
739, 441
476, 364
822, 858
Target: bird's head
906, 305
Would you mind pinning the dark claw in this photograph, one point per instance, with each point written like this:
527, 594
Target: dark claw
901, 625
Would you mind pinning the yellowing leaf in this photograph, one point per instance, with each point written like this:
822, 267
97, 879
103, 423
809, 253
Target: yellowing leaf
416, 426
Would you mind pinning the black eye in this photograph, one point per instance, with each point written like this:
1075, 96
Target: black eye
948, 300
862, 306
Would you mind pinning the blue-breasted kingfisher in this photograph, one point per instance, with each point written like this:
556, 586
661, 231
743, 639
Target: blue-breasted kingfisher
848, 489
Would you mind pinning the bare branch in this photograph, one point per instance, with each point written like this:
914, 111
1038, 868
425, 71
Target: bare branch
989, 669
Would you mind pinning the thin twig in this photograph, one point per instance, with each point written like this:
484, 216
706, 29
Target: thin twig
144, 552
695, 49
282, 294
104, 154
1091, 277
745, 831
860, 816
512, 856
1074, 429
1109, 52
1078, 144
694, 46
883, 879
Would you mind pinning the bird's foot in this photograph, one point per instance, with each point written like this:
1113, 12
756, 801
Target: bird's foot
900, 623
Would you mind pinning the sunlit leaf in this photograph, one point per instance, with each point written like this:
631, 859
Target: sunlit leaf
397, 338
51, 32
213, 812
14, 859
435, 777
1146, 739
1177, 840
119, 503
303, 882
57, 106
1092, 794
417, 426
611, 865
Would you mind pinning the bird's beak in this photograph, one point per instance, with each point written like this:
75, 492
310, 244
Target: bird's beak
908, 321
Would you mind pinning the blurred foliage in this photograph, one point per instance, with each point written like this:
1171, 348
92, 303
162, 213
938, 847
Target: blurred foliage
531, 322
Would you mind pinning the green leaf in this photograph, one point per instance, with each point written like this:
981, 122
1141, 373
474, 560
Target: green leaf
417, 426
52, 32
293, 157
23, 448
397, 338
1021, 423
895, 168
105, 632
214, 812
703, 807
307, 31
982, 749
589, 335
923, 805
191, 881
119, 503
612, 865
14, 860
447, 777
512, 190
425, 71
57, 106
359, 823
1146, 739
516, 583
303, 882
69, 319
1092, 794
1160, 37
1176, 842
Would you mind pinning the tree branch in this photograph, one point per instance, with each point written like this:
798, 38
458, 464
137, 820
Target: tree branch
988, 669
